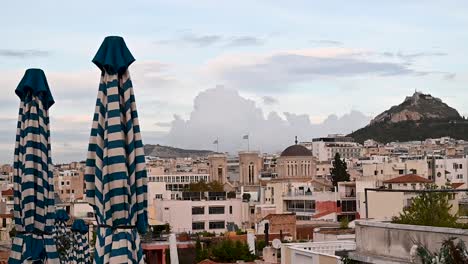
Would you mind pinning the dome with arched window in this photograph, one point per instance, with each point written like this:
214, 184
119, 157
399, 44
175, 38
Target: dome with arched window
296, 150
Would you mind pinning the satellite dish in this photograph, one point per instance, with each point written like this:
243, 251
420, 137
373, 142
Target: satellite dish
276, 243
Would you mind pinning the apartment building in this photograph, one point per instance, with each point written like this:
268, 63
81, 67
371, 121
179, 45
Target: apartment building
325, 148
69, 185
198, 212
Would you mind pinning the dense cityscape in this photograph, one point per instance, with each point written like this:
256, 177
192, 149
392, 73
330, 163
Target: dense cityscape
290, 196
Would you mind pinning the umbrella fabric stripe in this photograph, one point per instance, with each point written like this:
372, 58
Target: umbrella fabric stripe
33, 184
114, 160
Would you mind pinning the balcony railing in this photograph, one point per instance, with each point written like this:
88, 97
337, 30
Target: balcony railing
300, 210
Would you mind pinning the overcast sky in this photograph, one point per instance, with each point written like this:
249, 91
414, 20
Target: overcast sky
282, 66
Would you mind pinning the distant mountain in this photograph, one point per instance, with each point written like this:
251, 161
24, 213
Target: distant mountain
417, 108
420, 116
171, 152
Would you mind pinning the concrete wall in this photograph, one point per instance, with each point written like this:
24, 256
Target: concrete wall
378, 240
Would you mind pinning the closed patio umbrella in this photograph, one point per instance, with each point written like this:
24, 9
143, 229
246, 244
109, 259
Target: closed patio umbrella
34, 206
80, 249
62, 237
115, 173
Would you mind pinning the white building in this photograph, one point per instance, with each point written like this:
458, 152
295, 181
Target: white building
170, 186
325, 148
454, 170
197, 216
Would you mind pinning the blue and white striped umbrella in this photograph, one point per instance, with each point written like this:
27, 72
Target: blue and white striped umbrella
34, 206
115, 173
62, 235
80, 250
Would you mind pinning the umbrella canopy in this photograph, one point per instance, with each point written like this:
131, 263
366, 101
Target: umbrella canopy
80, 248
62, 235
115, 173
34, 207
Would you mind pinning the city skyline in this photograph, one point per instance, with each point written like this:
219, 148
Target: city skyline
303, 61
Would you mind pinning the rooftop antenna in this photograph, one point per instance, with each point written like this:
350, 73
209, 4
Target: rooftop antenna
296, 140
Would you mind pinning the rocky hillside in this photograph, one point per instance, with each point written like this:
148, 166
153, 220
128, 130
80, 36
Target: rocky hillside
170, 152
416, 108
420, 116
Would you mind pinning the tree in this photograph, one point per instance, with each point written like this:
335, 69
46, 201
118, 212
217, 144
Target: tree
339, 171
230, 252
344, 223
449, 253
202, 186
231, 195
200, 253
429, 209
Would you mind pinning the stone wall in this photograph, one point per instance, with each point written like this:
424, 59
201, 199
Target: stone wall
393, 242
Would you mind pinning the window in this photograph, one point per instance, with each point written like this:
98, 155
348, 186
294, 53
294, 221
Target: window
459, 176
198, 210
216, 225
198, 226
216, 210
252, 210
401, 172
348, 206
158, 196
230, 209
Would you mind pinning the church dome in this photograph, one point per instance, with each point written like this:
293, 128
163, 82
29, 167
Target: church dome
296, 151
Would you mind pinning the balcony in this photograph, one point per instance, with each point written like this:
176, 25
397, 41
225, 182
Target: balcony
348, 195
298, 195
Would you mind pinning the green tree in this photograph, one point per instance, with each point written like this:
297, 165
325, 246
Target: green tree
344, 223
450, 253
230, 252
200, 253
202, 186
339, 171
429, 209
215, 186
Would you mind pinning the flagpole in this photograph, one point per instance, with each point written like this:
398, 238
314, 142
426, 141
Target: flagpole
248, 142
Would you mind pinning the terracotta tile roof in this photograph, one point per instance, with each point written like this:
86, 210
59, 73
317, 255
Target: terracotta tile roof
408, 178
455, 185
8, 192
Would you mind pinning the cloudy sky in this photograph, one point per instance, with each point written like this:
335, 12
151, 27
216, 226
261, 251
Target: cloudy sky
221, 69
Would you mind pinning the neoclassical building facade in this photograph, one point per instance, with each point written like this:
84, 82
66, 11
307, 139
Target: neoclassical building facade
296, 161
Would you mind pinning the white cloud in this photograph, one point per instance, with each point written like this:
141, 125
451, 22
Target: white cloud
222, 113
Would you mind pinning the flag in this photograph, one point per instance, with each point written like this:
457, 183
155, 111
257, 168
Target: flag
245, 137
215, 142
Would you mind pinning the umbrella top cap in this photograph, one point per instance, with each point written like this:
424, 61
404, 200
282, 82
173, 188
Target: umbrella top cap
34, 82
113, 56
80, 226
61, 215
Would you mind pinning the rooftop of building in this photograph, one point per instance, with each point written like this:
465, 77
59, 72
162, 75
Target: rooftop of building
408, 178
8, 192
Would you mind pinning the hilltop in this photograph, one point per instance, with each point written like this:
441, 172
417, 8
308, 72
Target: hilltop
418, 117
